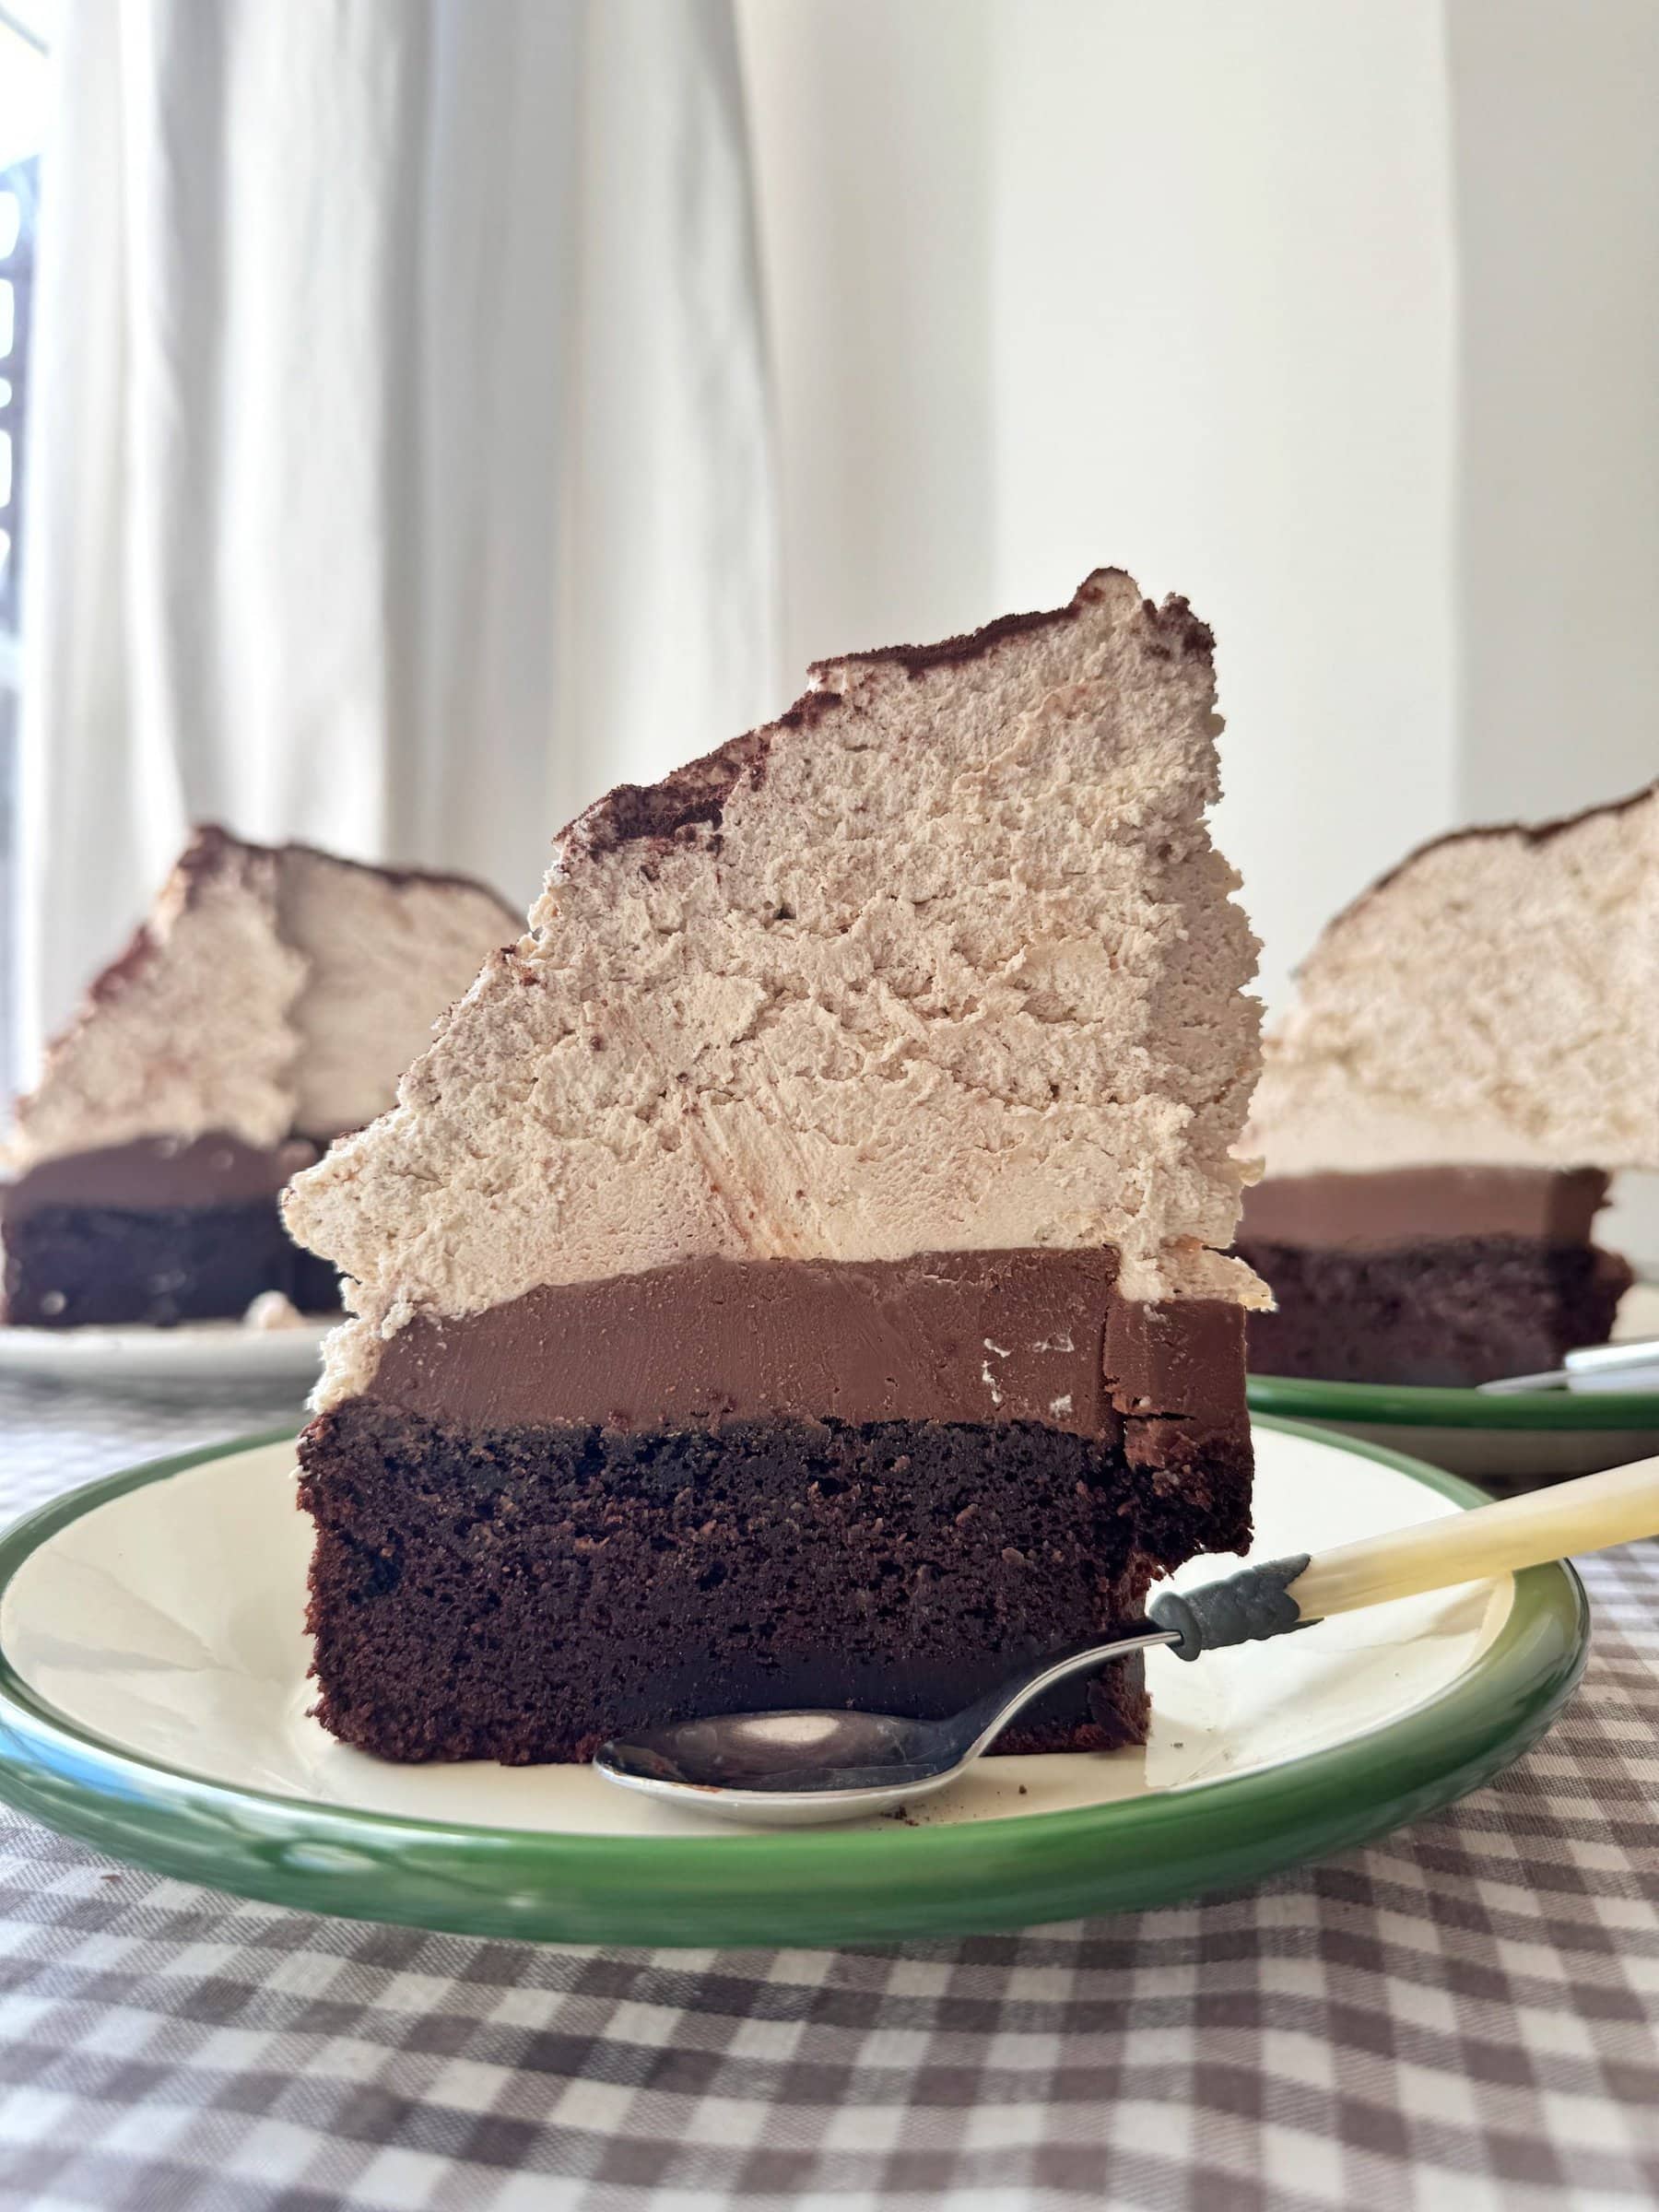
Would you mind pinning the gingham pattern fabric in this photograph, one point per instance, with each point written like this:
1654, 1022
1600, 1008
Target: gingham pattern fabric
1465, 2015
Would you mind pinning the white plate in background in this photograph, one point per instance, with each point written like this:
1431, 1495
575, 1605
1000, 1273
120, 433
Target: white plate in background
193, 1359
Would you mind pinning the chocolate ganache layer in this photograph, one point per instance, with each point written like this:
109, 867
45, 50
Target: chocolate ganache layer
1033, 1335
157, 1171
1380, 1209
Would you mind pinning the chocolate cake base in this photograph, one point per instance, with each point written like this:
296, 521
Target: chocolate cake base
70, 1266
521, 1593
1449, 1311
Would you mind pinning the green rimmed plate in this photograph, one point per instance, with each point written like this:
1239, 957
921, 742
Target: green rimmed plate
153, 1702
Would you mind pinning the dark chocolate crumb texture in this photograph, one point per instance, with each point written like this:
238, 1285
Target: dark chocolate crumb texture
521, 1593
70, 1266
157, 1232
1452, 1312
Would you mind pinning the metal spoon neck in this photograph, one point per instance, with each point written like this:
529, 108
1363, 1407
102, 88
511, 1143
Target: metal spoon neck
991, 1715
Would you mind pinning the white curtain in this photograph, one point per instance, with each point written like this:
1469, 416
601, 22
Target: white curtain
401, 474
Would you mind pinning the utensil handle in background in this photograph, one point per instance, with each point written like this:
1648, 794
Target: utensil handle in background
1589, 1514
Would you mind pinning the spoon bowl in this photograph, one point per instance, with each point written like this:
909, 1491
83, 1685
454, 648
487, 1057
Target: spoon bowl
813, 1768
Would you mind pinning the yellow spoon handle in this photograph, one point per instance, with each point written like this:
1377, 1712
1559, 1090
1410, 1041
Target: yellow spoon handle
1589, 1514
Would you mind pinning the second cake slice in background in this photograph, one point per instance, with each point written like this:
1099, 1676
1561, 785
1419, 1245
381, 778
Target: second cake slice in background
1475, 1047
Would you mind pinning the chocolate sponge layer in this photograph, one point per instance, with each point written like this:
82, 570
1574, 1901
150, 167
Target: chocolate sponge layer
523, 1593
1450, 1311
68, 1266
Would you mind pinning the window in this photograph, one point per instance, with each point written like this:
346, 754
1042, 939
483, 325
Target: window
26, 27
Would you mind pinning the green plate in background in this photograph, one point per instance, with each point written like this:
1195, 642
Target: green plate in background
1513, 1442
1514, 1439
1401, 1405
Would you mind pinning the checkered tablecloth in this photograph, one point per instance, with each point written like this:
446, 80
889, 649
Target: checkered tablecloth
1465, 2015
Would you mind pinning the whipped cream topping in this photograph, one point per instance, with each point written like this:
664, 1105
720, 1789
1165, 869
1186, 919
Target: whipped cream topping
271, 990
1492, 1001
271, 1311
386, 953
190, 1031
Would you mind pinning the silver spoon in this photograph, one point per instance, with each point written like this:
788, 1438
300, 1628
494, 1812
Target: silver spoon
798, 1769
806, 1769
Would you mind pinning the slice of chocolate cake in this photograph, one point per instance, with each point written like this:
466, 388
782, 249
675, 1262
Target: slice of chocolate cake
791, 1277
1474, 1048
270, 1001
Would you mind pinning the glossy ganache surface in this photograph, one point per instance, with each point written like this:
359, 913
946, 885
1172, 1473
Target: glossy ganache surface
965, 1336
1376, 1209
215, 1169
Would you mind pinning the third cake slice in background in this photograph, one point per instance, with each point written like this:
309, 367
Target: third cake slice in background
1475, 1047
792, 1275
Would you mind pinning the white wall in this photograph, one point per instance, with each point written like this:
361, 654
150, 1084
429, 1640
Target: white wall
1059, 282
872, 127
1339, 317
1557, 216
1224, 359
1556, 211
